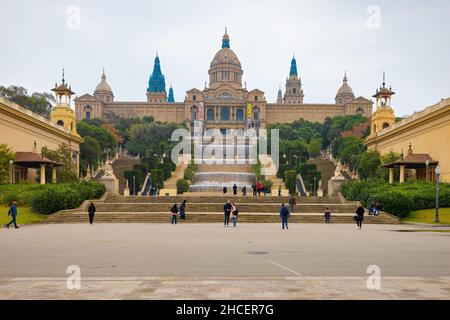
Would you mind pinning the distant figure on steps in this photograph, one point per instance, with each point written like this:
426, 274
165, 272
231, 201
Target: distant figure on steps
327, 216
224, 190
226, 212
174, 212
183, 210
91, 211
235, 188
244, 191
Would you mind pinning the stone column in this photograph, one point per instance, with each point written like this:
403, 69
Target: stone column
391, 175
402, 174
42, 173
53, 174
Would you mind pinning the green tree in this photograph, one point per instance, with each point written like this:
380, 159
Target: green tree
5, 156
89, 152
39, 103
369, 164
65, 173
314, 147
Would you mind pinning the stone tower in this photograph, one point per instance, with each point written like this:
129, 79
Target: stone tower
63, 114
384, 116
171, 98
280, 96
156, 91
294, 93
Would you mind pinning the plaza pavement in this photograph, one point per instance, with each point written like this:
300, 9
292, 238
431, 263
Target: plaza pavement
208, 261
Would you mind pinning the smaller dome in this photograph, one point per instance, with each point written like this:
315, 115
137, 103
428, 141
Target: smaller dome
345, 89
103, 86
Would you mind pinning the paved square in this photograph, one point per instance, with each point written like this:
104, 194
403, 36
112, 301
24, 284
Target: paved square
209, 261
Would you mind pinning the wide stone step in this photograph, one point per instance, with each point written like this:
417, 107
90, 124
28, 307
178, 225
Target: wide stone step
146, 217
219, 199
218, 207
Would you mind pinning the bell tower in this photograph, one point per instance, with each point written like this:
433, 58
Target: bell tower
294, 93
62, 113
384, 116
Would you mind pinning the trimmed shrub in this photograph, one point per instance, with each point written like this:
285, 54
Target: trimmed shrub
157, 177
9, 198
182, 186
53, 200
289, 180
143, 168
188, 174
138, 180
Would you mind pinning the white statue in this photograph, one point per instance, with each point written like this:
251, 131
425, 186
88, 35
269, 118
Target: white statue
108, 168
338, 170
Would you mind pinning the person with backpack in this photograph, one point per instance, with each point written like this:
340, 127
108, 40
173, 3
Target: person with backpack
183, 210
91, 212
235, 212
284, 215
13, 213
226, 212
174, 212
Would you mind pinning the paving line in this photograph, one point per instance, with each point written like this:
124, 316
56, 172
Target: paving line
285, 268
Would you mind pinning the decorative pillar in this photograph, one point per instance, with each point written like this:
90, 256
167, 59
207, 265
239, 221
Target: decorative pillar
402, 174
391, 175
42, 173
53, 174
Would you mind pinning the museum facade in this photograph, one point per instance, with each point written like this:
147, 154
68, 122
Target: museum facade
224, 103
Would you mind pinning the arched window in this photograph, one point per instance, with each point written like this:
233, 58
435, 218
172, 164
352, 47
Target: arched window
87, 111
210, 115
385, 125
240, 115
225, 114
60, 123
194, 97
359, 111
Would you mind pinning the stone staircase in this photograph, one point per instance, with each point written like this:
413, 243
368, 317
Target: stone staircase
171, 183
209, 209
122, 165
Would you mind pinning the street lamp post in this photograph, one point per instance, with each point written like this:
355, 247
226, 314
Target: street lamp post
11, 173
134, 185
314, 191
427, 163
438, 173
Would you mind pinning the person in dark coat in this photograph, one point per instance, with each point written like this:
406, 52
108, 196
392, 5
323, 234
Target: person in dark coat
292, 203
327, 216
13, 213
244, 191
254, 189
224, 190
91, 212
174, 212
235, 188
227, 211
360, 216
183, 210
284, 215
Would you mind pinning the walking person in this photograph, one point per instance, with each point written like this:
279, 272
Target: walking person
227, 211
91, 212
182, 209
360, 216
235, 188
244, 191
279, 191
284, 215
292, 203
13, 213
327, 216
235, 212
174, 211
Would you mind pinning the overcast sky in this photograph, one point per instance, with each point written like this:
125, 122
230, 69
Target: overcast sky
410, 40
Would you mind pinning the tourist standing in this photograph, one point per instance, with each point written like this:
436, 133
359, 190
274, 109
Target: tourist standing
327, 216
244, 191
227, 211
235, 212
183, 210
284, 215
259, 188
292, 203
224, 190
91, 212
279, 191
235, 188
254, 189
174, 212
13, 213
360, 216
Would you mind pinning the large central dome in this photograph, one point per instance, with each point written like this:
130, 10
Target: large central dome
225, 67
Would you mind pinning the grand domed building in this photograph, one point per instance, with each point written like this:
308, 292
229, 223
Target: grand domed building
224, 103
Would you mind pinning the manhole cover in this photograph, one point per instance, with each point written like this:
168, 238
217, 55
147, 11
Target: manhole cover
257, 252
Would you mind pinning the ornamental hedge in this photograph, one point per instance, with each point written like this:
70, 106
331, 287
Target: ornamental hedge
50, 198
397, 199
